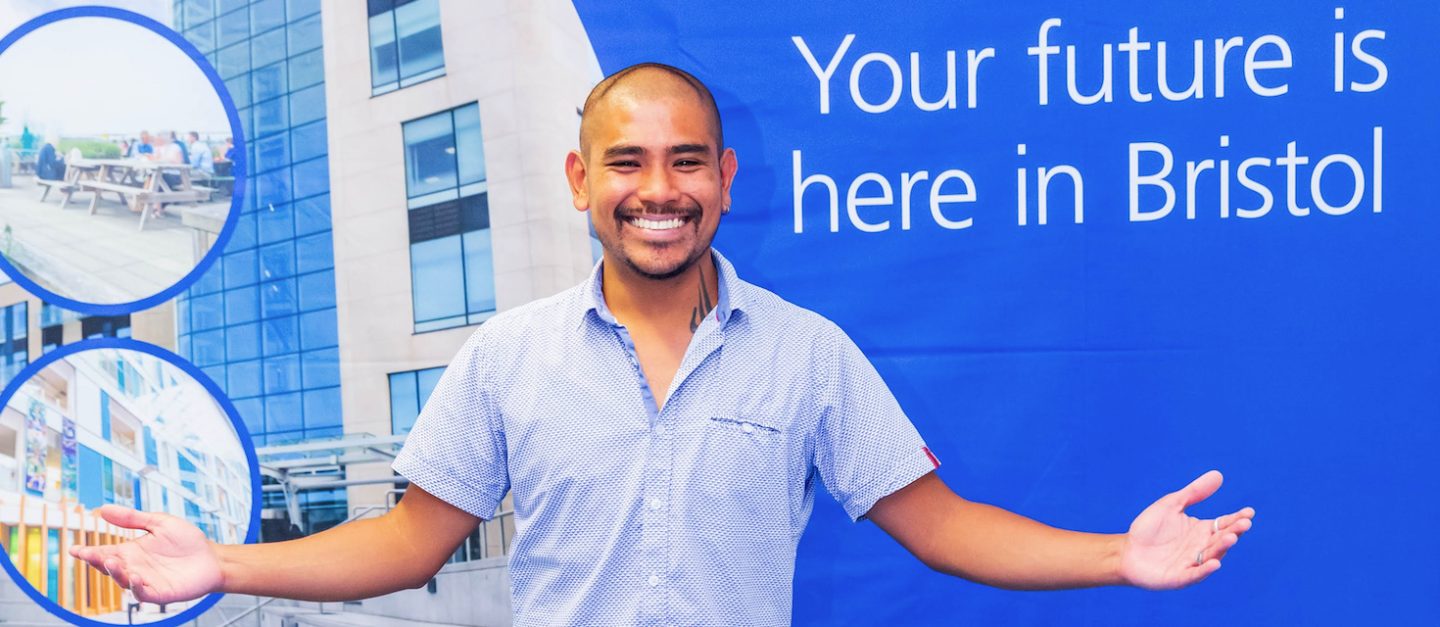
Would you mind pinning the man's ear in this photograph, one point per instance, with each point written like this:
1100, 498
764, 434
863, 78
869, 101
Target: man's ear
575, 174
728, 165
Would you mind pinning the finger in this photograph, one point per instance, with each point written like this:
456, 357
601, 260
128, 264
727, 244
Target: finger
147, 594
94, 555
116, 569
1220, 545
1230, 519
1238, 527
1200, 489
127, 518
1199, 573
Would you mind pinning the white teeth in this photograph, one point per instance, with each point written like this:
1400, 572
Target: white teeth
657, 225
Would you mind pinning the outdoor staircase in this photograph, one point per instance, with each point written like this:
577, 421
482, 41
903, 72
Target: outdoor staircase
307, 617
283, 613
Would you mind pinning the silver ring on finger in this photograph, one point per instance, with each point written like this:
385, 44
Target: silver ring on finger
1215, 525
1199, 558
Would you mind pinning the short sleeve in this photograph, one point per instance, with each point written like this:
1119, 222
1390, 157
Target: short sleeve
456, 451
866, 448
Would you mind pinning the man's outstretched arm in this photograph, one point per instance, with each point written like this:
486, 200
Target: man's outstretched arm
358, 560
989, 545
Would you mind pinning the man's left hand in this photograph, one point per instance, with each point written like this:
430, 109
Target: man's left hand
1167, 549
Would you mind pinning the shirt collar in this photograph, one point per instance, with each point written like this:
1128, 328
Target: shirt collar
731, 298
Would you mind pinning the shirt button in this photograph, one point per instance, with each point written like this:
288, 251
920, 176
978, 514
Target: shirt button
656, 504
654, 580
747, 427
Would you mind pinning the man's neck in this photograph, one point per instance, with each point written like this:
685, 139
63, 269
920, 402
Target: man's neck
678, 304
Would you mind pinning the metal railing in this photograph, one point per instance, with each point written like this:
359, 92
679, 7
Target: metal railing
361, 512
503, 522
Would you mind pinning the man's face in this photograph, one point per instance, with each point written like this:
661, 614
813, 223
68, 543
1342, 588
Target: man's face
654, 181
144, 138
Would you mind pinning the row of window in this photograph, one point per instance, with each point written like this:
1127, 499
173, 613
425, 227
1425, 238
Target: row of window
271, 339
279, 418
15, 330
320, 509
240, 19
269, 300
234, 57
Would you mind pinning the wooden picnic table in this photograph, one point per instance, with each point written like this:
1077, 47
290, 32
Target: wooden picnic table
142, 181
68, 185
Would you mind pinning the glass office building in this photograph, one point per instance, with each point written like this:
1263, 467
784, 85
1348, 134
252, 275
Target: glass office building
261, 321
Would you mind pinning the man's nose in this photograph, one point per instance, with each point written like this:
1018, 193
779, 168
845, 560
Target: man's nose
657, 186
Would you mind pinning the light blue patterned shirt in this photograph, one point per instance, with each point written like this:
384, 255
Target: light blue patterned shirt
685, 515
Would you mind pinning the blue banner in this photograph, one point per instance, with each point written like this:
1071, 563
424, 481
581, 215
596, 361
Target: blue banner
1090, 277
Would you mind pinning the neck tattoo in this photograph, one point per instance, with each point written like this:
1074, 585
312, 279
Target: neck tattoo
703, 307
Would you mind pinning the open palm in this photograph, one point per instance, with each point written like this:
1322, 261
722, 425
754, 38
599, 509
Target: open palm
173, 562
1168, 549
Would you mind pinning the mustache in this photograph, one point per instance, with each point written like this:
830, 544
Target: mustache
690, 210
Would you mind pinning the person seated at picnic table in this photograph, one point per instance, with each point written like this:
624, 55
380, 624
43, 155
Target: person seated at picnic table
184, 150
167, 151
229, 153
141, 147
200, 157
124, 148
48, 164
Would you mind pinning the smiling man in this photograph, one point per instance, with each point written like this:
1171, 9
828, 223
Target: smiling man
663, 427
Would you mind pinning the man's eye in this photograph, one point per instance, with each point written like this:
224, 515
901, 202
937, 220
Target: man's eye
624, 164
686, 163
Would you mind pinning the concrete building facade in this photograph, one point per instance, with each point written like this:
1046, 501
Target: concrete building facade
529, 67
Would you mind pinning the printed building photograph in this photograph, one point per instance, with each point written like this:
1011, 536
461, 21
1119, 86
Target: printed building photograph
116, 183
112, 426
406, 184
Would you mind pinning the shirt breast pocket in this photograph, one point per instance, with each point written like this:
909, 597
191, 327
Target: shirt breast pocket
746, 455
757, 430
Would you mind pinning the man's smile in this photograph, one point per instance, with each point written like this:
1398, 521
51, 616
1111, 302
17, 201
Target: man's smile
657, 223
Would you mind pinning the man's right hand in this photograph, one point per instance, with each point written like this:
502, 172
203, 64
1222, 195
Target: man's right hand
173, 562
356, 560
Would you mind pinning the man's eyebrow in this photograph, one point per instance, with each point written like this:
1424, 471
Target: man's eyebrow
623, 151
688, 149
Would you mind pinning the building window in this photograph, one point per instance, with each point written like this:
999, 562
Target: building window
405, 46
451, 266
14, 341
408, 393
52, 326
105, 326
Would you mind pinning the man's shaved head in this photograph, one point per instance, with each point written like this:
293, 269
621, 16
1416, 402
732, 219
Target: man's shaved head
649, 80
652, 171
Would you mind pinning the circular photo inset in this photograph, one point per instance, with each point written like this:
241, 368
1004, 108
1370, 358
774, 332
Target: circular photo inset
120, 160
115, 422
